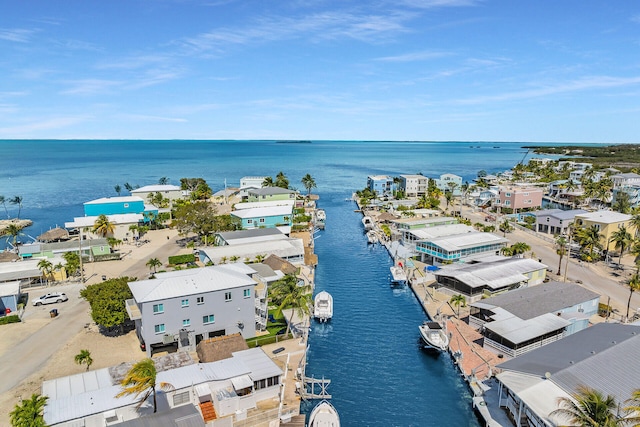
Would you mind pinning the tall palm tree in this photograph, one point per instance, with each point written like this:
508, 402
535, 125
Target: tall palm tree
72, 262
286, 293
635, 221
45, 266
17, 200
623, 239
102, 226
634, 285
153, 263
589, 238
141, 379
561, 250
3, 200
164, 181
458, 300
505, 227
519, 248
118, 189
588, 408
29, 412
309, 183
281, 180
13, 230
268, 182
84, 357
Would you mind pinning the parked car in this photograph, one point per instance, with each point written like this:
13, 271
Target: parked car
50, 298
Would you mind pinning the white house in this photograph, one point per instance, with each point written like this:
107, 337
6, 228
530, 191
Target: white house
414, 185
171, 192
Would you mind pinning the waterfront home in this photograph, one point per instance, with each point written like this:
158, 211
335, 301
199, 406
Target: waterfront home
227, 391
382, 185
9, 297
449, 181
459, 247
119, 206
625, 180
180, 308
280, 264
409, 237
521, 320
515, 198
268, 204
251, 182
485, 197
414, 223
632, 193
602, 357
413, 185
568, 165
253, 235
26, 272
607, 223
556, 221
267, 194
280, 217
91, 248
171, 192
121, 224
264, 276
479, 280
290, 249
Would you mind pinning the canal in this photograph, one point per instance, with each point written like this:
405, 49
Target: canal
380, 375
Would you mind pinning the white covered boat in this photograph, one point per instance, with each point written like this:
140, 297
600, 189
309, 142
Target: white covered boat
372, 237
433, 336
324, 415
323, 306
398, 275
321, 218
367, 222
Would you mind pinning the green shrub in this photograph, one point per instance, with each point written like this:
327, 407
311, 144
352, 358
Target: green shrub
9, 319
182, 259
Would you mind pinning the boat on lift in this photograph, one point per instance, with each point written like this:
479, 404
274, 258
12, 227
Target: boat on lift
372, 237
433, 336
323, 306
321, 218
398, 275
324, 415
367, 222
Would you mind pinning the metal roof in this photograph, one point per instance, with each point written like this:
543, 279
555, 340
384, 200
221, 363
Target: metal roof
467, 240
517, 330
560, 214
266, 204
285, 248
10, 288
441, 231
530, 302
192, 281
605, 217
156, 189
269, 191
254, 234
261, 212
89, 221
495, 274
31, 248
181, 416
120, 199
10, 271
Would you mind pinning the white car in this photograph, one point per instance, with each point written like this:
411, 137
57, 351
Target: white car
50, 298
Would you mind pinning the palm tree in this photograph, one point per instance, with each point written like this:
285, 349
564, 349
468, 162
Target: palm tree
622, 202
281, 180
589, 238
634, 285
234, 258
164, 181
286, 293
141, 379
153, 263
13, 230
633, 408
84, 357
29, 412
102, 226
561, 250
3, 200
622, 239
458, 300
118, 189
46, 268
268, 182
505, 227
309, 183
17, 200
519, 248
260, 258
73, 262
507, 251
588, 408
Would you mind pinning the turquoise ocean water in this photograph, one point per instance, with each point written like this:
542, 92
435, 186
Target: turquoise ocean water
370, 350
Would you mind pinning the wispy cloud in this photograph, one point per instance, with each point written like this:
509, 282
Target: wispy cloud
152, 78
587, 83
430, 4
414, 56
40, 125
19, 35
147, 118
90, 86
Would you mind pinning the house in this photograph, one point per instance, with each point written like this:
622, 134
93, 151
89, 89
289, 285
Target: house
264, 276
485, 197
26, 272
482, 279
380, 184
251, 182
121, 223
91, 248
625, 180
449, 181
411, 236
119, 206
632, 192
518, 321
181, 308
9, 297
414, 185
171, 192
602, 357
269, 204
519, 198
607, 223
267, 194
224, 390
556, 221
290, 249
458, 247
280, 264
280, 217
240, 237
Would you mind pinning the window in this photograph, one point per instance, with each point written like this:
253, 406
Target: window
249, 221
184, 302
186, 322
246, 293
200, 300
181, 398
507, 194
507, 202
227, 296
158, 308
159, 328
208, 319
261, 220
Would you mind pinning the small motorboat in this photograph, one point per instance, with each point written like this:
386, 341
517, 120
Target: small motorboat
323, 306
367, 222
398, 275
324, 415
372, 237
433, 336
321, 218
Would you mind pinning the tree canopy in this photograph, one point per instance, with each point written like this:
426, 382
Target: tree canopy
107, 301
198, 187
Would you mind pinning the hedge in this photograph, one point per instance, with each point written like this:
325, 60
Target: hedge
9, 319
182, 259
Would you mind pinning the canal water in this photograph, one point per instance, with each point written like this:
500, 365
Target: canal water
380, 375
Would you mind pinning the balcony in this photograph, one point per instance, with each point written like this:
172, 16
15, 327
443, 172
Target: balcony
132, 309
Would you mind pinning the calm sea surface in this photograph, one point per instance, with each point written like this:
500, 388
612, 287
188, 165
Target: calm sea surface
370, 350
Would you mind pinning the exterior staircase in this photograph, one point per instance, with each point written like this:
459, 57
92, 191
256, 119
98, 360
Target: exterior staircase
208, 411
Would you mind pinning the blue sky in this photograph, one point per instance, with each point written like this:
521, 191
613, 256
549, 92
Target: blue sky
466, 70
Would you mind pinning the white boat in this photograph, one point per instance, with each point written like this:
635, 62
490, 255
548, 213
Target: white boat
398, 276
367, 222
323, 306
321, 217
433, 336
372, 237
324, 415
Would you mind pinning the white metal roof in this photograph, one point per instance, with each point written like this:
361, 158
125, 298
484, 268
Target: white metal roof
192, 281
441, 231
262, 212
10, 288
10, 271
156, 189
269, 204
495, 274
284, 248
89, 221
605, 217
119, 199
466, 240
518, 331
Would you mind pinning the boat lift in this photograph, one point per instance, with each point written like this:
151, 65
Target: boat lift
310, 387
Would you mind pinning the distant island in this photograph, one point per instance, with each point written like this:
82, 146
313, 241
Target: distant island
620, 156
293, 142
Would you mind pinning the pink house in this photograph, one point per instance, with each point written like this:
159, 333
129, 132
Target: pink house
519, 197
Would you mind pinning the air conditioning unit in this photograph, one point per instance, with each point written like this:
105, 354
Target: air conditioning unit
168, 339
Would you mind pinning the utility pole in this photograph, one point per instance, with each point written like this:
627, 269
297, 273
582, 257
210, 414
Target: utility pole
566, 266
80, 255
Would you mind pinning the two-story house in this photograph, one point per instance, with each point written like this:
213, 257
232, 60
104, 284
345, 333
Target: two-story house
516, 198
180, 308
607, 223
414, 185
380, 184
450, 182
171, 192
267, 194
266, 217
556, 221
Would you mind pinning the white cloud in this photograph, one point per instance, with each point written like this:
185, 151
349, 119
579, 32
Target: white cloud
429, 4
90, 86
147, 118
16, 35
414, 56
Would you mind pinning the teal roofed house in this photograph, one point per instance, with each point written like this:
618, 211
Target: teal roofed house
119, 206
267, 194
